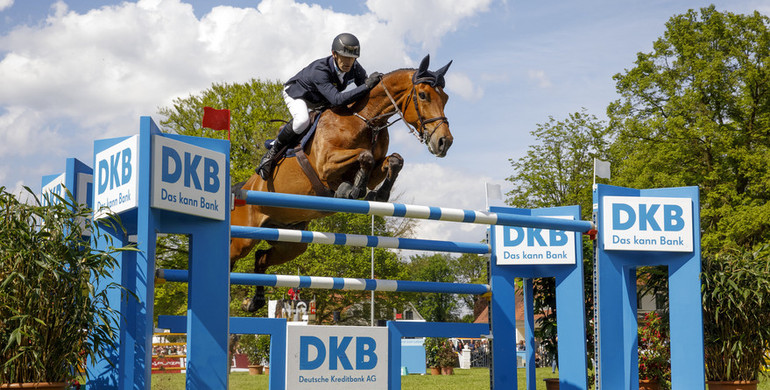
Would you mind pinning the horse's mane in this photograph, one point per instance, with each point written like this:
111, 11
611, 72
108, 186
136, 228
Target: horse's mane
361, 104
399, 70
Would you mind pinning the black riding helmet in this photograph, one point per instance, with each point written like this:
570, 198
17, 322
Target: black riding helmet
346, 45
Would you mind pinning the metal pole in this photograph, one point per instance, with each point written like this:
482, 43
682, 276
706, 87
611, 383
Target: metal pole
372, 276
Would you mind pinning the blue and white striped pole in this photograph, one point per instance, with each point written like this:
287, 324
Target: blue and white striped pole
319, 203
331, 283
289, 235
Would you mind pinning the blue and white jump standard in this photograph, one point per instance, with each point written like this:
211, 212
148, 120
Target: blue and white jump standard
165, 183
647, 228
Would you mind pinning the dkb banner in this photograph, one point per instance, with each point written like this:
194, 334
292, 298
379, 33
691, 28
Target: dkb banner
336, 357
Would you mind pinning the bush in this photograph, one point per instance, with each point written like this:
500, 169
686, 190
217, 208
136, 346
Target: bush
654, 349
447, 356
256, 348
433, 347
54, 311
736, 313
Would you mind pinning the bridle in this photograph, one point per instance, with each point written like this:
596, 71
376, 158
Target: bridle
422, 130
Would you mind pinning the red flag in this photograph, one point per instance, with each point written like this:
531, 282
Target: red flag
217, 119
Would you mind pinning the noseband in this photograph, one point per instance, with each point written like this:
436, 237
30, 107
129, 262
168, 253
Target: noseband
423, 129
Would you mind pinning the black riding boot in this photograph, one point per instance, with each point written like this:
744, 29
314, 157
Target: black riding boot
286, 137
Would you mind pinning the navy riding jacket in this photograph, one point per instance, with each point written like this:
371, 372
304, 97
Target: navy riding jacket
318, 84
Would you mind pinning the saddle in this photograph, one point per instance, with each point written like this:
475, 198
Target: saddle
292, 151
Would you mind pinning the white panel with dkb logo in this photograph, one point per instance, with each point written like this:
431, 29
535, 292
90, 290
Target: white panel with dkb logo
647, 224
516, 245
115, 177
322, 357
188, 179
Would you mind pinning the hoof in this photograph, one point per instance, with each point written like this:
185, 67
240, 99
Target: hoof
256, 302
253, 304
344, 190
246, 304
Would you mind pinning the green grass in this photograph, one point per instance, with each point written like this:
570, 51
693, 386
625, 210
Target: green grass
475, 379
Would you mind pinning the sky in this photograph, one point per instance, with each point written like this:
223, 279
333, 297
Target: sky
74, 71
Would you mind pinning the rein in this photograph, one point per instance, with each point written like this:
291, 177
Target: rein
419, 134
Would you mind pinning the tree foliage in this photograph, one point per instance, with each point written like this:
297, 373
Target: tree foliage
558, 169
696, 111
471, 268
434, 268
253, 108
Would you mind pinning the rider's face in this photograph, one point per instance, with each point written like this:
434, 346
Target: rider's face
344, 63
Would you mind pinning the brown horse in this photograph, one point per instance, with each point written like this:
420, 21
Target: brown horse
349, 154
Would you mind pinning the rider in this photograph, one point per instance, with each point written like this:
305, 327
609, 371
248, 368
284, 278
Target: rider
320, 84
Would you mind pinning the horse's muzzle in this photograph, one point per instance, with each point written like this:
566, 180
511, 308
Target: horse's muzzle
442, 146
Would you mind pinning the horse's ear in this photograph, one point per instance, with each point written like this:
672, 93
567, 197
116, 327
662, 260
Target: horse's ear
424, 65
441, 72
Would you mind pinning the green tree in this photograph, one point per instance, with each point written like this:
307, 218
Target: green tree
696, 111
558, 170
471, 268
171, 298
253, 108
253, 105
434, 268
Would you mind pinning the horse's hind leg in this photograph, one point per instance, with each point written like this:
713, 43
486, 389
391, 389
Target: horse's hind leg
358, 187
258, 300
279, 253
392, 166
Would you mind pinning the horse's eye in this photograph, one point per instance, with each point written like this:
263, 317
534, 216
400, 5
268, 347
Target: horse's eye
422, 95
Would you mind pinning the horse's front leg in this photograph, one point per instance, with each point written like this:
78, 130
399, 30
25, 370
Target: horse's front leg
390, 168
358, 187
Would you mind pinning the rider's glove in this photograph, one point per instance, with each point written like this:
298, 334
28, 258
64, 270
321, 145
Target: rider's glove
373, 79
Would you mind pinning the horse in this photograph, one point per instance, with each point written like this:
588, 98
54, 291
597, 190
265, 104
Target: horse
348, 152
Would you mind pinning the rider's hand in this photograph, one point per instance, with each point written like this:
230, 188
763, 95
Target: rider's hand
373, 79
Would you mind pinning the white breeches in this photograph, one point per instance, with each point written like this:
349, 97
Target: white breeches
299, 113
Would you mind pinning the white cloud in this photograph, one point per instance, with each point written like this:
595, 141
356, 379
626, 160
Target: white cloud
540, 78
432, 184
76, 77
24, 128
462, 85
426, 22
143, 54
5, 4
